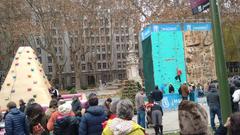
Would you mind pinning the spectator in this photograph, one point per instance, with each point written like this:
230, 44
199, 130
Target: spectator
123, 124
91, 123
193, 119
107, 105
37, 119
157, 95
22, 105
15, 121
113, 113
76, 105
66, 123
184, 91
63, 110
233, 124
140, 107
171, 88
53, 106
214, 105
156, 115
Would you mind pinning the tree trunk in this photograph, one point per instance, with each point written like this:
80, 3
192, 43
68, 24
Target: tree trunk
55, 71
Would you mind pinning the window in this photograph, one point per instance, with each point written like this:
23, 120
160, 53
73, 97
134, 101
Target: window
126, 30
49, 59
55, 48
103, 56
118, 56
122, 39
72, 67
116, 30
108, 39
120, 76
104, 65
119, 65
136, 46
99, 65
103, 49
124, 55
55, 41
89, 66
117, 39
98, 57
50, 69
73, 80
83, 66
118, 47
98, 48
82, 57
38, 40
92, 40
60, 49
60, 41
106, 31
109, 56
39, 51
124, 64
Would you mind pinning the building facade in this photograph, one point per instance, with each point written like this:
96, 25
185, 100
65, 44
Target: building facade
104, 58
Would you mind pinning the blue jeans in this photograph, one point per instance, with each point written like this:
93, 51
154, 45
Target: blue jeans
215, 111
141, 117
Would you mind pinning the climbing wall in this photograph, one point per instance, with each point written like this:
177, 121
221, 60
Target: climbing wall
25, 79
168, 55
199, 54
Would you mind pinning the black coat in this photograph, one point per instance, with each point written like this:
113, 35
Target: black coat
67, 125
91, 122
157, 95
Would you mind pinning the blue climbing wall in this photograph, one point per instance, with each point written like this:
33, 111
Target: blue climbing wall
167, 54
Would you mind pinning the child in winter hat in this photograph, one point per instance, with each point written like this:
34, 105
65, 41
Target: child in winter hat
193, 119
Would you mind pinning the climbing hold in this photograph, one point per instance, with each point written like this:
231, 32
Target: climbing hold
35, 82
34, 96
29, 63
29, 89
36, 58
28, 51
44, 76
8, 84
16, 64
19, 52
14, 77
17, 58
40, 70
32, 69
29, 58
12, 91
29, 76
12, 71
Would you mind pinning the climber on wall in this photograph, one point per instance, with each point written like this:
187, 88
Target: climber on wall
178, 76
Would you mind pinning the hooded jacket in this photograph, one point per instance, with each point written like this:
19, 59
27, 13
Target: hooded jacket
16, 123
91, 123
119, 126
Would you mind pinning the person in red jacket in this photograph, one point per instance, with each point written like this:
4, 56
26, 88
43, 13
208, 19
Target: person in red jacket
179, 73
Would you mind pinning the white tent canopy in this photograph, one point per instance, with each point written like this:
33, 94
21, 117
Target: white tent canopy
26, 79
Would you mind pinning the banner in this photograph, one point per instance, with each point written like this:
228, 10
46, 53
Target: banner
170, 102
